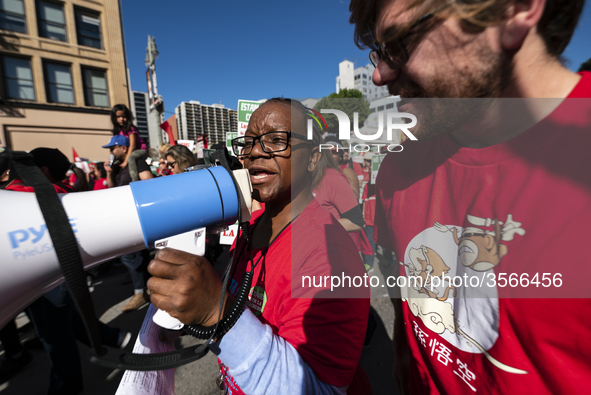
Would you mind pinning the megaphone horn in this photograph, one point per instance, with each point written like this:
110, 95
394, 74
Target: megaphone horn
109, 223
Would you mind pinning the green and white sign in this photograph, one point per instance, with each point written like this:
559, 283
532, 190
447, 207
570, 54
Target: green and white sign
245, 110
376, 161
229, 137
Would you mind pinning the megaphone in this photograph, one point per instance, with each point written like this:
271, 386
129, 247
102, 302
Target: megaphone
110, 223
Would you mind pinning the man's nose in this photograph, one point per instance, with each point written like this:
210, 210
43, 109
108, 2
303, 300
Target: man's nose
257, 149
383, 74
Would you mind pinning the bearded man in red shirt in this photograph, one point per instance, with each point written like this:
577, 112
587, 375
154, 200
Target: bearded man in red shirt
496, 187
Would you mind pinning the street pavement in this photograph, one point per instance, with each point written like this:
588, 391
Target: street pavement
112, 290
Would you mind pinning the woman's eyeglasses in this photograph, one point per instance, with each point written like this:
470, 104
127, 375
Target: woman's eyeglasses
270, 142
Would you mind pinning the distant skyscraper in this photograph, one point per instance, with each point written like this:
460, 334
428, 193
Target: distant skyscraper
360, 79
139, 108
214, 121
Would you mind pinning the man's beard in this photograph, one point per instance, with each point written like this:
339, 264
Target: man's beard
448, 103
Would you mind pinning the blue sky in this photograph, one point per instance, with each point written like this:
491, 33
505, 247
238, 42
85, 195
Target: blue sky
222, 51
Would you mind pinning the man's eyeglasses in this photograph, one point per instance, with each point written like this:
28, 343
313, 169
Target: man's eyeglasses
171, 164
394, 52
270, 142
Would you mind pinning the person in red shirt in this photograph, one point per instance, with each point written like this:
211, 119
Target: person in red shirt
350, 169
496, 184
385, 259
100, 175
331, 190
294, 337
53, 164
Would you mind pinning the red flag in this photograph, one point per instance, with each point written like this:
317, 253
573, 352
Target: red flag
76, 157
168, 129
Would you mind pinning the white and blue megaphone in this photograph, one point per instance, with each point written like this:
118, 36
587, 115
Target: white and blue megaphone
110, 223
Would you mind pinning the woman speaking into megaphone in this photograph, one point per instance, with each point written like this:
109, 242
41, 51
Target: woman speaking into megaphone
294, 337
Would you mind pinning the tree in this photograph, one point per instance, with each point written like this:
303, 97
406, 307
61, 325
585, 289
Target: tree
586, 66
347, 100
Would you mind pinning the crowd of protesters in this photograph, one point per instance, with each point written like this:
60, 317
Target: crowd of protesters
330, 186
458, 192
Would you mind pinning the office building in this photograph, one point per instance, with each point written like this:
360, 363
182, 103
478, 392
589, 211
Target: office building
379, 98
144, 119
63, 67
214, 121
359, 78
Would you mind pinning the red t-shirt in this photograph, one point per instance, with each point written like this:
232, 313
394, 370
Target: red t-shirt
524, 206
334, 195
100, 184
18, 186
326, 328
369, 203
357, 168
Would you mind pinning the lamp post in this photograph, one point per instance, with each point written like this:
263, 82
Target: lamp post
156, 102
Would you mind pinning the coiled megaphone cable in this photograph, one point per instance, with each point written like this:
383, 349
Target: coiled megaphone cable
116, 359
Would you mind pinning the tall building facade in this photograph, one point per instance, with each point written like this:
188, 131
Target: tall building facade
144, 120
214, 121
359, 78
62, 67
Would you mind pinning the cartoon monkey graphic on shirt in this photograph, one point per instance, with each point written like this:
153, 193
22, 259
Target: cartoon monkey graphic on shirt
481, 249
425, 265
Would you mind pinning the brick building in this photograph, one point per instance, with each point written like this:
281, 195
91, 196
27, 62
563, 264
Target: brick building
62, 68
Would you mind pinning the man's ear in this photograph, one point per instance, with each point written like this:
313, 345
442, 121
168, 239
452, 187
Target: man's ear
522, 17
314, 158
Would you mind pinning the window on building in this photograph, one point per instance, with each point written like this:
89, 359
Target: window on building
96, 92
58, 82
364, 76
52, 22
88, 28
364, 82
12, 16
372, 110
391, 105
18, 78
380, 108
364, 89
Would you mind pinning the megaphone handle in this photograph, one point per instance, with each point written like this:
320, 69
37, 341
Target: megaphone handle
192, 242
